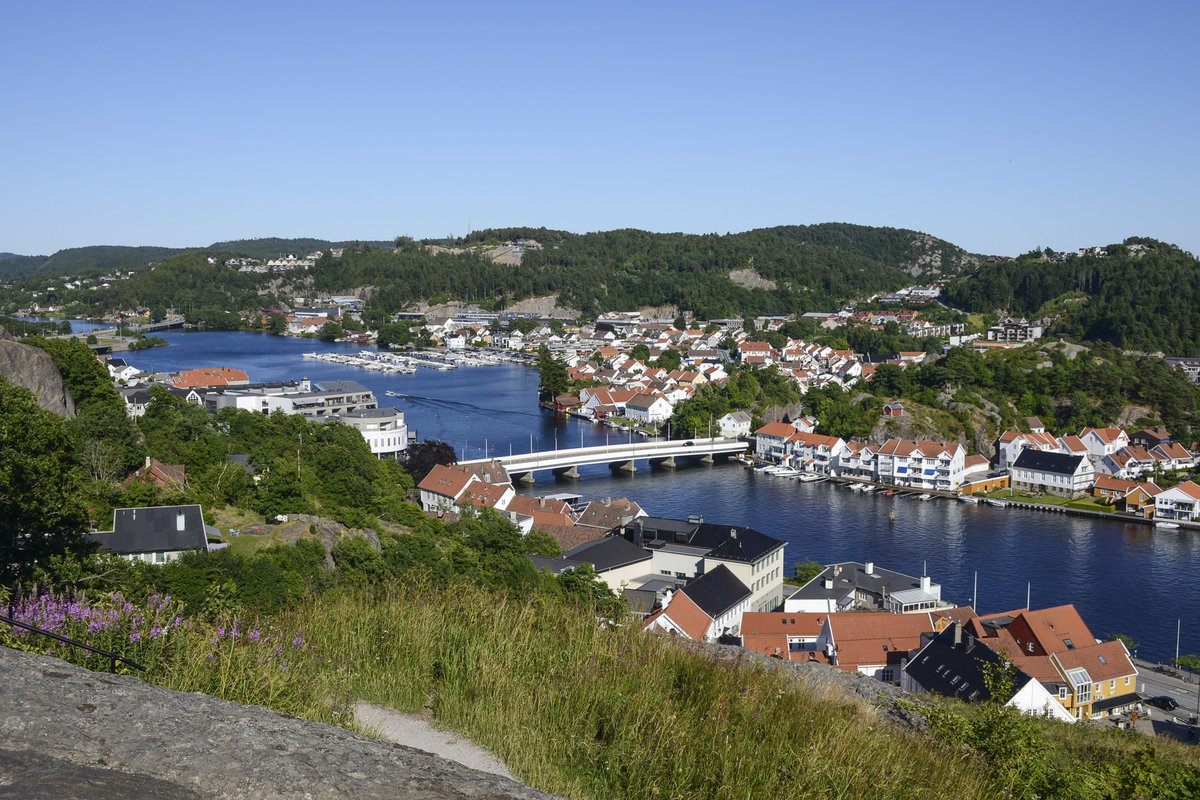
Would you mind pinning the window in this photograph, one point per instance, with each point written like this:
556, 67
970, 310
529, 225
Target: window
1062, 693
159, 558
1071, 646
1029, 647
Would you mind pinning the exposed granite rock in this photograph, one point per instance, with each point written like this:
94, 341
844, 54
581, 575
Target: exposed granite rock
33, 368
69, 733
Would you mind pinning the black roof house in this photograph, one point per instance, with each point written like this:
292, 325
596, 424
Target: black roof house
953, 664
716, 591
726, 542
1058, 463
158, 529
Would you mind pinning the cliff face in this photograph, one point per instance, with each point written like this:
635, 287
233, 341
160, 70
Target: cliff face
34, 369
68, 733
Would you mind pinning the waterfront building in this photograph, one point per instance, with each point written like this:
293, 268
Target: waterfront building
954, 663
1089, 678
349, 402
1052, 473
1180, 503
921, 464
854, 586
689, 548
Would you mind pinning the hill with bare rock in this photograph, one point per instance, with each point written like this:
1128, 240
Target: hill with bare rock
34, 369
69, 733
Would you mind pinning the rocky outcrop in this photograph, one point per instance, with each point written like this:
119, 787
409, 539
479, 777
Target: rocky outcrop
69, 733
33, 368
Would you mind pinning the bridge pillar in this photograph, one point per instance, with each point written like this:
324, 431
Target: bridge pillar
567, 472
707, 458
623, 466
663, 463
524, 477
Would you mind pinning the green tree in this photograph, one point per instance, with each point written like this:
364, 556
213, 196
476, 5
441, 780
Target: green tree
552, 374
276, 324
331, 331
40, 513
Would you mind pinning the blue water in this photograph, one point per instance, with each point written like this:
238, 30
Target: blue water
1123, 578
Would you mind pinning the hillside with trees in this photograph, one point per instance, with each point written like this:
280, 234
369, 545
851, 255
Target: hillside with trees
1141, 294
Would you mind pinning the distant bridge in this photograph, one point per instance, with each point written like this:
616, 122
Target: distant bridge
566, 463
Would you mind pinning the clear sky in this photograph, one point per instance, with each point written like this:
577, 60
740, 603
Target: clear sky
1000, 127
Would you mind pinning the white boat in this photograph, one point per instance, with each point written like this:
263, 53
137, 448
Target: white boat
966, 498
925, 496
991, 501
1165, 524
805, 477
786, 472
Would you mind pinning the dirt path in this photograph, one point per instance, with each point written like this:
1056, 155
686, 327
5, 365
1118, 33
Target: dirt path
412, 731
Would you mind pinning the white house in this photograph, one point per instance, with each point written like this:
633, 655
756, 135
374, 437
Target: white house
157, 534
734, 424
921, 464
813, 452
770, 441
648, 408
707, 608
1052, 473
1101, 442
1180, 502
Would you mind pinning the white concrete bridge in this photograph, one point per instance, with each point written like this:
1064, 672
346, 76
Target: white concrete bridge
622, 457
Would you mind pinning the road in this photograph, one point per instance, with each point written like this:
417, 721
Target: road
1151, 681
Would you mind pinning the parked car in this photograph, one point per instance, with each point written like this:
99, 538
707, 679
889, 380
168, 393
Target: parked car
1163, 701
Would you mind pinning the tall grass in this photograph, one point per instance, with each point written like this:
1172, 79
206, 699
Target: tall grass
591, 711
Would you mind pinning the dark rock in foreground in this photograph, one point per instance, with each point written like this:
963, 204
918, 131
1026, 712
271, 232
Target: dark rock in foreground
69, 733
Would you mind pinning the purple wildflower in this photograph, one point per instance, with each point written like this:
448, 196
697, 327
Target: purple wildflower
253, 636
136, 636
156, 633
278, 649
283, 667
298, 641
221, 632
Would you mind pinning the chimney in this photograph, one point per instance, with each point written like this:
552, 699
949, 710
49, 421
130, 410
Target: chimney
837, 570
542, 502
666, 601
869, 567
179, 522
733, 533
147, 462
828, 582
924, 583
957, 634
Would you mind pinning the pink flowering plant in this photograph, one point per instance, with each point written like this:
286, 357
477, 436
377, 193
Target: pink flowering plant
248, 662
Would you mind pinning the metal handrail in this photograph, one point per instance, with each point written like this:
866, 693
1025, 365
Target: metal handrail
66, 640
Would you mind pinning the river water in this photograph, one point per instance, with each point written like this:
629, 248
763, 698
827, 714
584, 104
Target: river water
1125, 578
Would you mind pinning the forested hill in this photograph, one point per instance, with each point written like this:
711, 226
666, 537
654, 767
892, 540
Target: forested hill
76, 260
1141, 294
772, 270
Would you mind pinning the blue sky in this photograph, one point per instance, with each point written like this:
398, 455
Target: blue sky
1000, 127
